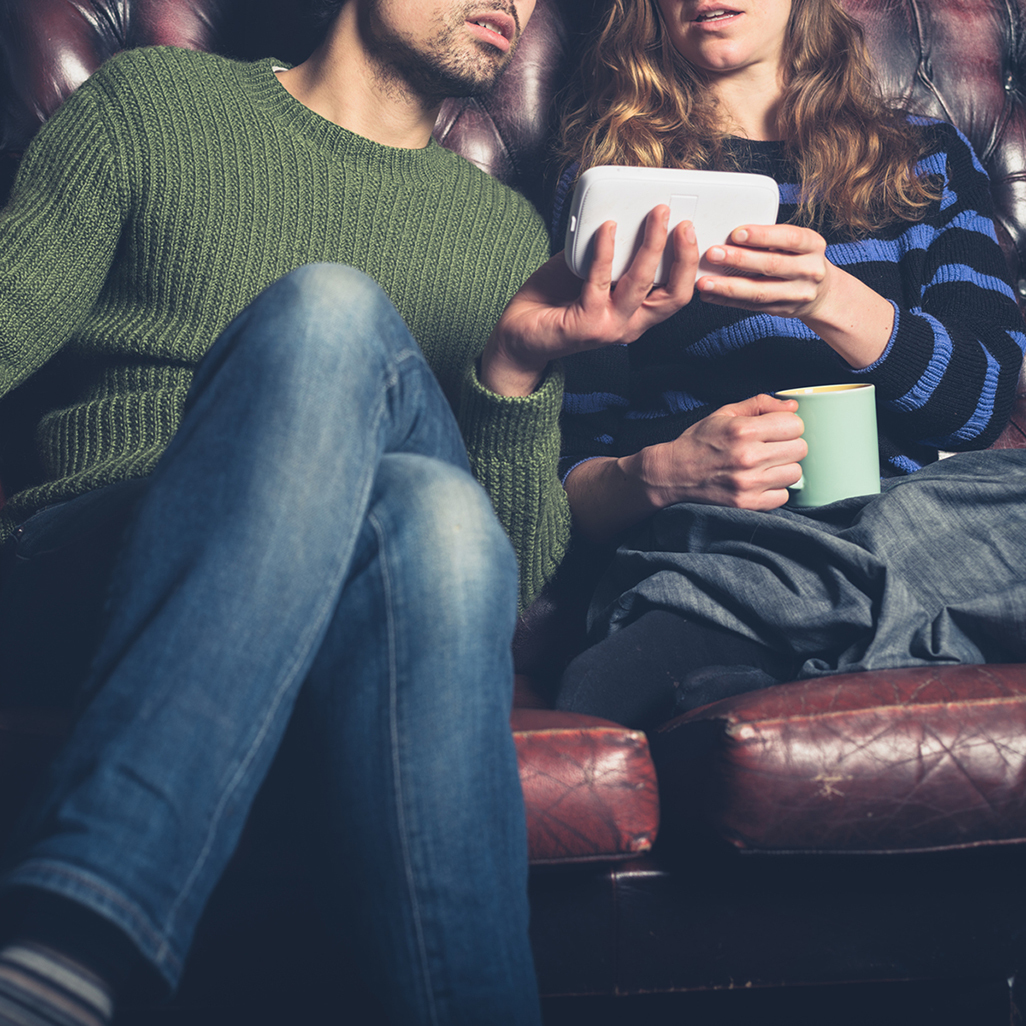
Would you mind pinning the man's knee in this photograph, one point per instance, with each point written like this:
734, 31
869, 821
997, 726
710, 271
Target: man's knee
313, 285
322, 328
329, 303
446, 538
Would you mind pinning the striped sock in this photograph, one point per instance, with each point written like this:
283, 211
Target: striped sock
41, 987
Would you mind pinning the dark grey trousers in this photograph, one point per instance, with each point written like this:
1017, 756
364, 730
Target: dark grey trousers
931, 571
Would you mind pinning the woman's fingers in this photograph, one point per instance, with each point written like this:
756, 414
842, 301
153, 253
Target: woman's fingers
776, 268
789, 238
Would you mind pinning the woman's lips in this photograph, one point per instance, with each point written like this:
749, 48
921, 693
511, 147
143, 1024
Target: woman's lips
716, 16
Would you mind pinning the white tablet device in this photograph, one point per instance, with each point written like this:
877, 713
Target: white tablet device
716, 202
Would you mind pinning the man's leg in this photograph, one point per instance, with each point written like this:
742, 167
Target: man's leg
416, 815
229, 578
54, 576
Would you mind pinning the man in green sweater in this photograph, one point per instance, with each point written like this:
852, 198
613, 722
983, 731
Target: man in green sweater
228, 277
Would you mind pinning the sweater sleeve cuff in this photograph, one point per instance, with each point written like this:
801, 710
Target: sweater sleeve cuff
504, 426
909, 362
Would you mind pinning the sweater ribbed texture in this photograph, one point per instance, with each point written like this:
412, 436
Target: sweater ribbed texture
170, 190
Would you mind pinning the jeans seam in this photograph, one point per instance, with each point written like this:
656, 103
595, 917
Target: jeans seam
393, 726
238, 776
305, 644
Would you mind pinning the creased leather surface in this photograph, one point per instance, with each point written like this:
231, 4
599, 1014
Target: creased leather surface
889, 761
589, 787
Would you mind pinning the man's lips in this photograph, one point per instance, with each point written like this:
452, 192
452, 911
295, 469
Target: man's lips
495, 27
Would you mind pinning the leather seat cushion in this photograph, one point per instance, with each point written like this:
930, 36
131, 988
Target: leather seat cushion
900, 760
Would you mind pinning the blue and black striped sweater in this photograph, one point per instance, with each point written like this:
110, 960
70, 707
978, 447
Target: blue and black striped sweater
946, 380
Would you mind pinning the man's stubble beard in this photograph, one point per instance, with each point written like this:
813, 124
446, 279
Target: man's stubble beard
441, 68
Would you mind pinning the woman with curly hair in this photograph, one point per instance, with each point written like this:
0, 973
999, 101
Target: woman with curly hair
883, 268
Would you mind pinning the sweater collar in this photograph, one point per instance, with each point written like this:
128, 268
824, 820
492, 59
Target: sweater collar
339, 143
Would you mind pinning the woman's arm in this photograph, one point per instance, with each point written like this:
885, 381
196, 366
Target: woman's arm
787, 274
946, 355
743, 455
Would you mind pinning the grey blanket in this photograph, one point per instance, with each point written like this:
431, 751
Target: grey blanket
931, 571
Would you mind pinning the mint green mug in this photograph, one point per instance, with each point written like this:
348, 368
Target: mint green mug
840, 431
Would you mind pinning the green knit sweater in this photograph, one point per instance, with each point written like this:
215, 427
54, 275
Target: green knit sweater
173, 187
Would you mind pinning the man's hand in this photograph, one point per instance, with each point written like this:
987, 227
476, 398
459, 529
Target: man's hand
743, 455
554, 314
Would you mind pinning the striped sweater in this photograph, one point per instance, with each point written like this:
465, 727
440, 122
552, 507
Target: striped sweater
945, 381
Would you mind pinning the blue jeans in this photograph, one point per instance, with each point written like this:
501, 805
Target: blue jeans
313, 525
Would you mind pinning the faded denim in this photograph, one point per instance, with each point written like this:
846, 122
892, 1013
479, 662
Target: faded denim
312, 526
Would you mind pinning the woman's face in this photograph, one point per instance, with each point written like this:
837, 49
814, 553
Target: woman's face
727, 37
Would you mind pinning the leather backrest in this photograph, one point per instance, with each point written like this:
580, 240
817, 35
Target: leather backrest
955, 59
49, 47
964, 61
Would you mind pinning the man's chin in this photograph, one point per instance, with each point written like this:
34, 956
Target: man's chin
461, 88
448, 71
448, 83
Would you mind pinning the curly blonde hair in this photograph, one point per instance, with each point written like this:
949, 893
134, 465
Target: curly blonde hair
636, 101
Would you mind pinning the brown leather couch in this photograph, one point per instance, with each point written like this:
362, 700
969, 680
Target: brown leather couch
864, 828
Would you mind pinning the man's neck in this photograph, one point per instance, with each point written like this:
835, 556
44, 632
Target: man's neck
342, 83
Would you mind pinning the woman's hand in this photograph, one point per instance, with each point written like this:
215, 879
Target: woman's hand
554, 314
744, 455
784, 272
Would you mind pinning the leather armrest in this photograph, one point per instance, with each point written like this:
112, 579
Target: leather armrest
589, 787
